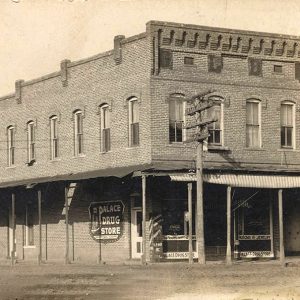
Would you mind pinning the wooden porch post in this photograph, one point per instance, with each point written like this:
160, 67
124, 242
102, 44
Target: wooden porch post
190, 222
144, 218
228, 251
67, 261
200, 216
281, 242
40, 225
271, 227
13, 200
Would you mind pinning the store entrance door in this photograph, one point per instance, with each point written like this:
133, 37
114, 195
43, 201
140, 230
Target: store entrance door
136, 233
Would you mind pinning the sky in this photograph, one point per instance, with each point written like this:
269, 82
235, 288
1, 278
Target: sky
35, 35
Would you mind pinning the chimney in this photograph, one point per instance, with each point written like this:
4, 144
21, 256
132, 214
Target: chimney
18, 90
64, 71
118, 48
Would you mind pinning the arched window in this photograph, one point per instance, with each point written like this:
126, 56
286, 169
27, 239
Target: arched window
78, 132
176, 118
215, 129
133, 107
287, 124
253, 123
10, 146
105, 128
53, 137
31, 141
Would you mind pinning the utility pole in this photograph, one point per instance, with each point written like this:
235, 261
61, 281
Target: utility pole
198, 105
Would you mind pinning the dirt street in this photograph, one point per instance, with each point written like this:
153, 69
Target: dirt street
165, 281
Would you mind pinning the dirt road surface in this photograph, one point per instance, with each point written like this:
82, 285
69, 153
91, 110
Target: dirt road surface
164, 281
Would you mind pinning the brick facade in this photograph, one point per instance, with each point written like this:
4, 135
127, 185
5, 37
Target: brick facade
237, 65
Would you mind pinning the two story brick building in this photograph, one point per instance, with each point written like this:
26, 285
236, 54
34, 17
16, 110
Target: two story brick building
82, 147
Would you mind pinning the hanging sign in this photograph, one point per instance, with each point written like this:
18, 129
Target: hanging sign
106, 221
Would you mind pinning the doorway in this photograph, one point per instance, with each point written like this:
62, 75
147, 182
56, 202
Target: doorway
136, 233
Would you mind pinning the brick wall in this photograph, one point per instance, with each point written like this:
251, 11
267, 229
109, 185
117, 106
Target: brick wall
235, 85
89, 83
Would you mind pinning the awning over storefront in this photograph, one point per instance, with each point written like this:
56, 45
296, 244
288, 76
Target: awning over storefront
244, 180
115, 172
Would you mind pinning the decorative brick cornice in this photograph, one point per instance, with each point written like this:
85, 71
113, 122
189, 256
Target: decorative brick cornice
226, 40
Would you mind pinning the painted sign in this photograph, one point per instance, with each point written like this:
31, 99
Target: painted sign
106, 221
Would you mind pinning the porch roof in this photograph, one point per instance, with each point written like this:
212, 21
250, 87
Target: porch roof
244, 180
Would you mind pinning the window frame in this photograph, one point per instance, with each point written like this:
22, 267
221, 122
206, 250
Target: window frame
293, 136
105, 129
220, 102
78, 136
259, 142
54, 150
178, 98
31, 155
11, 146
133, 126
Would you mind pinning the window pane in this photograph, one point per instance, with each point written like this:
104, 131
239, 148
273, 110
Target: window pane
217, 137
255, 113
249, 113
176, 110
179, 131
282, 136
134, 134
289, 115
289, 132
79, 122
134, 111
252, 136
283, 115
172, 131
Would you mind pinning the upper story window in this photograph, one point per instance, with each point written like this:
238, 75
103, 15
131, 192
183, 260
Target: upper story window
176, 119
11, 145
133, 122
253, 126
105, 128
166, 58
277, 69
53, 137
287, 124
215, 129
78, 132
31, 141
189, 60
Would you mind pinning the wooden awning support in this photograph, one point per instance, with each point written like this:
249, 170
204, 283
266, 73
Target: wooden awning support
144, 219
228, 251
13, 225
190, 185
281, 241
40, 225
67, 260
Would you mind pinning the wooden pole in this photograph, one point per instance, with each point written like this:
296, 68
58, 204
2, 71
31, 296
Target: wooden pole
67, 261
271, 227
190, 222
281, 243
144, 218
228, 251
13, 225
200, 217
40, 225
